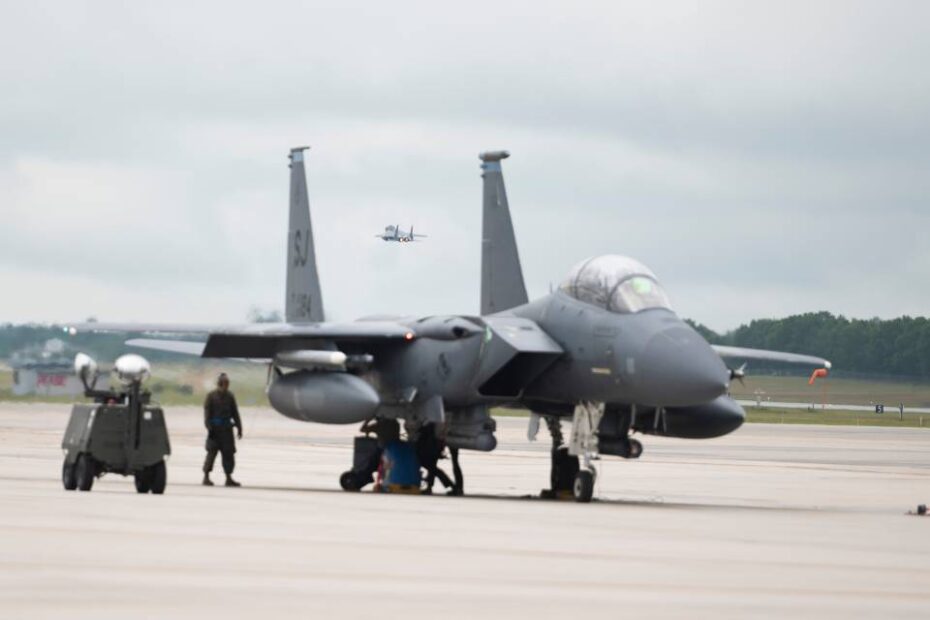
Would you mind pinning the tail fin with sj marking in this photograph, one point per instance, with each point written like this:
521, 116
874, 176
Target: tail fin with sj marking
502, 285
304, 303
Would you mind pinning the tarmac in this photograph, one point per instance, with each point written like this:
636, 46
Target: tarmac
771, 521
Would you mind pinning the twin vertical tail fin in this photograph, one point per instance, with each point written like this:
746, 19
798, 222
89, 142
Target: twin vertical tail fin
502, 285
303, 303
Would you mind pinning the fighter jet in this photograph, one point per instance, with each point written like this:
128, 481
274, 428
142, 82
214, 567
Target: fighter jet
604, 350
395, 233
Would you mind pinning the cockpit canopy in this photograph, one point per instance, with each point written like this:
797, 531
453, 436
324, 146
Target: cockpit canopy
615, 283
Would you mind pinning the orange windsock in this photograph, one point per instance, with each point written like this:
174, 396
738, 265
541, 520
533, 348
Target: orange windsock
819, 373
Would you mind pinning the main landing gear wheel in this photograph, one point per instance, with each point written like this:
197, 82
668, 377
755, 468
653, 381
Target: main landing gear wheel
349, 481
636, 449
583, 489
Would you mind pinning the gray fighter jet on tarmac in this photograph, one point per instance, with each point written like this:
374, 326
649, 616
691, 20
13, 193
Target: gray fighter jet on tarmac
605, 351
398, 235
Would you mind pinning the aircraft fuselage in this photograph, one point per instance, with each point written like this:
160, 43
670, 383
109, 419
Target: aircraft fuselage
547, 356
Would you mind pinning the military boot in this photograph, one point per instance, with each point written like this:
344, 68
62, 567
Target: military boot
231, 483
206, 480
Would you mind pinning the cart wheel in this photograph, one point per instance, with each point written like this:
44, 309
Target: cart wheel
158, 476
68, 477
85, 471
143, 480
583, 488
349, 481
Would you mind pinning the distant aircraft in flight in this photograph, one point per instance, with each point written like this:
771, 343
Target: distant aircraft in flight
396, 233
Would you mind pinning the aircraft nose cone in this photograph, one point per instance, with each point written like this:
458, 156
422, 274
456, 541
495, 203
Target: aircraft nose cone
678, 368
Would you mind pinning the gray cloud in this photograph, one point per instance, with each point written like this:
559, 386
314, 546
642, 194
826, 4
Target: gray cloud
764, 159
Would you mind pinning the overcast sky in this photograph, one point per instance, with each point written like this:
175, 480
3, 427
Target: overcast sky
763, 159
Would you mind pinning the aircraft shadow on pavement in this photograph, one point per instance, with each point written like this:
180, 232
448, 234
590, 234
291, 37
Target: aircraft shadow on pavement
617, 502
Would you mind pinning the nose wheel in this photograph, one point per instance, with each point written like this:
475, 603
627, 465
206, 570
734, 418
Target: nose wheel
583, 489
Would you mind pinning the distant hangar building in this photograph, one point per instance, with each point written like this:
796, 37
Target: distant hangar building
45, 370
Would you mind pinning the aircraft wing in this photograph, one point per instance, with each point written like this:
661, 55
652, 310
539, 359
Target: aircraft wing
253, 340
149, 328
743, 353
186, 347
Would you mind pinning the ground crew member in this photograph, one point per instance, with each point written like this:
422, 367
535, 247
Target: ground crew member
385, 429
458, 487
220, 415
429, 451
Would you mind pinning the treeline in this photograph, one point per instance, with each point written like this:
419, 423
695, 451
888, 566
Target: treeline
899, 347
103, 347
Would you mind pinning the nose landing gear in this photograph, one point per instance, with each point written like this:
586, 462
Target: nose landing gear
573, 475
563, 468
583, 444
595, 430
